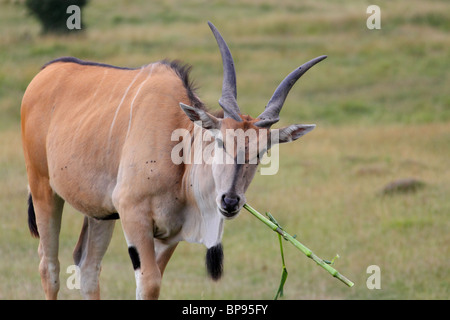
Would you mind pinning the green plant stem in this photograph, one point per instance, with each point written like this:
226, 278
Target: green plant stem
299, 245
284, 272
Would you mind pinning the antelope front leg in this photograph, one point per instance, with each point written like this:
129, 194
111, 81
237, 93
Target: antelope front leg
138, 229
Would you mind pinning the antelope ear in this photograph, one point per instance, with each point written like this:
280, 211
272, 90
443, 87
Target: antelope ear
208, 121
293, 132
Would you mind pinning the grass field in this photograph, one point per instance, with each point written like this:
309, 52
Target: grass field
381, 102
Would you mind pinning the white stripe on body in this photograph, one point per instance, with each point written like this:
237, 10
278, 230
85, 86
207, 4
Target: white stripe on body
135, 96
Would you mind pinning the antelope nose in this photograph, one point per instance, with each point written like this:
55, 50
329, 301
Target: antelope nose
230, 203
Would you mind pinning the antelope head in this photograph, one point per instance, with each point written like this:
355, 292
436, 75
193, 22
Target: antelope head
240, 139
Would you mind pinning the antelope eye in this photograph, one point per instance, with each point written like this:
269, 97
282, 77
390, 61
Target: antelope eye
219, 142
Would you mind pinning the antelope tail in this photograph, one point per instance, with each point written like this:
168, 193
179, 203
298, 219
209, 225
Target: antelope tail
32, 218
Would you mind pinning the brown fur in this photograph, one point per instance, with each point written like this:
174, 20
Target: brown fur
80, 116
98, 137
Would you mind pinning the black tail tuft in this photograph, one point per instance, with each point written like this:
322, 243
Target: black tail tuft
214, 261
32, 218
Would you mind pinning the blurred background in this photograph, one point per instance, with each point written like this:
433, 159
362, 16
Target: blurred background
371, 182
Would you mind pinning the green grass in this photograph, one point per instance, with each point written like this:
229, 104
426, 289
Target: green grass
382, 106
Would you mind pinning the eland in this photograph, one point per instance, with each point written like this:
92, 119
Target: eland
98, 137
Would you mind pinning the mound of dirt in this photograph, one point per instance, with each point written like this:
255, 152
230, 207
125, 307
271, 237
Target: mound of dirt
403, 186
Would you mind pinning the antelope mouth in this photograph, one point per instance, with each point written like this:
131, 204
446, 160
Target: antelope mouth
229, 215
